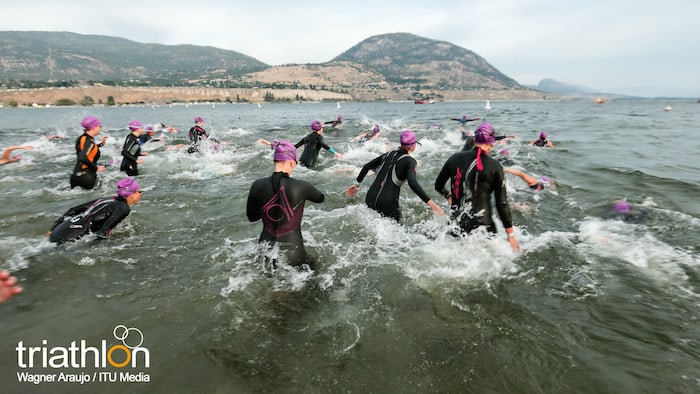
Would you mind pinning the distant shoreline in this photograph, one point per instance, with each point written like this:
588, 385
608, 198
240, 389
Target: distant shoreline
121, 95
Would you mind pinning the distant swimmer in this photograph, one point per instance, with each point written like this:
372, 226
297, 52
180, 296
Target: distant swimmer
368, 136
196, 134
464, 120
98, 216
313, 143
6, 158
536, 184
625, 211
132, 150
393, 169
542, 141
473, 178
88, 153
337, 123
279, 201
503, 157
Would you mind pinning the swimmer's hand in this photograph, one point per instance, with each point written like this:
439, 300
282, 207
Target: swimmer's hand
436, 208
351, 191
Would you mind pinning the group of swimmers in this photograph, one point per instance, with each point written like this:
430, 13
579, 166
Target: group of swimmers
474, 178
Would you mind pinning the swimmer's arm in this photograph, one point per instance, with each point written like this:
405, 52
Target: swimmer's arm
72, 212
441, 179
365, 169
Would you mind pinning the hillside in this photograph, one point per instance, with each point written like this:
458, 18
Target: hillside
70, 56
398, 66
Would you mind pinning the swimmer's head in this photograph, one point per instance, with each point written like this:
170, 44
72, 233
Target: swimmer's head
284, 150
504, 152
198, 119
375, 129
127, 187
543, 135
340, 118
622, 207
316, 125
485, 134
90, 122
408, 139
135, 125
544, 181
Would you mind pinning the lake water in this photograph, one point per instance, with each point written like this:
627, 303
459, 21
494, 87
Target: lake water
592, 304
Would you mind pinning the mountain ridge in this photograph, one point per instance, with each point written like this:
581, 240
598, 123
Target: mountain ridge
393, 66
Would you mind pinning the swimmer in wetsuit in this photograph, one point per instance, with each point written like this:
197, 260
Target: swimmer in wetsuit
392, 170
541, 183
197, 133
98, 216
313, 143
368, 136
338, 123
279, 201
86, 168
132, 149
474, 177
542, 141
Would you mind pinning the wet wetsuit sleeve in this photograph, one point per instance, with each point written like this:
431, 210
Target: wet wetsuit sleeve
369, 166
443, 177
323, 144
83, 155
502, 198
313, 194
252, 210
300, 143
72, 212
119, 211
412, 179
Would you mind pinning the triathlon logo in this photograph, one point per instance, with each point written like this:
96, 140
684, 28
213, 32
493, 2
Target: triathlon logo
123, 334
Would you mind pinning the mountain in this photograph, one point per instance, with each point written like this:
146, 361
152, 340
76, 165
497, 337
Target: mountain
70, 56
396, 66
404, 58
553, 86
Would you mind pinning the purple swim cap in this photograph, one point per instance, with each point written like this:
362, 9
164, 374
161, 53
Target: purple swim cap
135, 125
485, 134
284, 150
376, 128
127, 187
198, 119
623, 207
504, 152
544, 181
543, 135
408, 138
90, 122
316, 125
340, 118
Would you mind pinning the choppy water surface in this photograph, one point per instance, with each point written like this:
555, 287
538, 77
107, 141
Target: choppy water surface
591, 304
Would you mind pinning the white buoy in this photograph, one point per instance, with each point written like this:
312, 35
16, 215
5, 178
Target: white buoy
668, 109
488, 104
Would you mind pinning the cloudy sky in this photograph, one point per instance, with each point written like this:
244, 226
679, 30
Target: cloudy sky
639, 47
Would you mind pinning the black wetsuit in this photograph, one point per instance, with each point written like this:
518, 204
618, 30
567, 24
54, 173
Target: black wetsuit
85, 171
98, 216
395, 168
131, 151
541, 142
471, 190
334, 123
312, 146
279, 201
143, 138
196, 134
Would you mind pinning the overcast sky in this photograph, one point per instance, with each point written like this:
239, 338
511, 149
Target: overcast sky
639, 47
